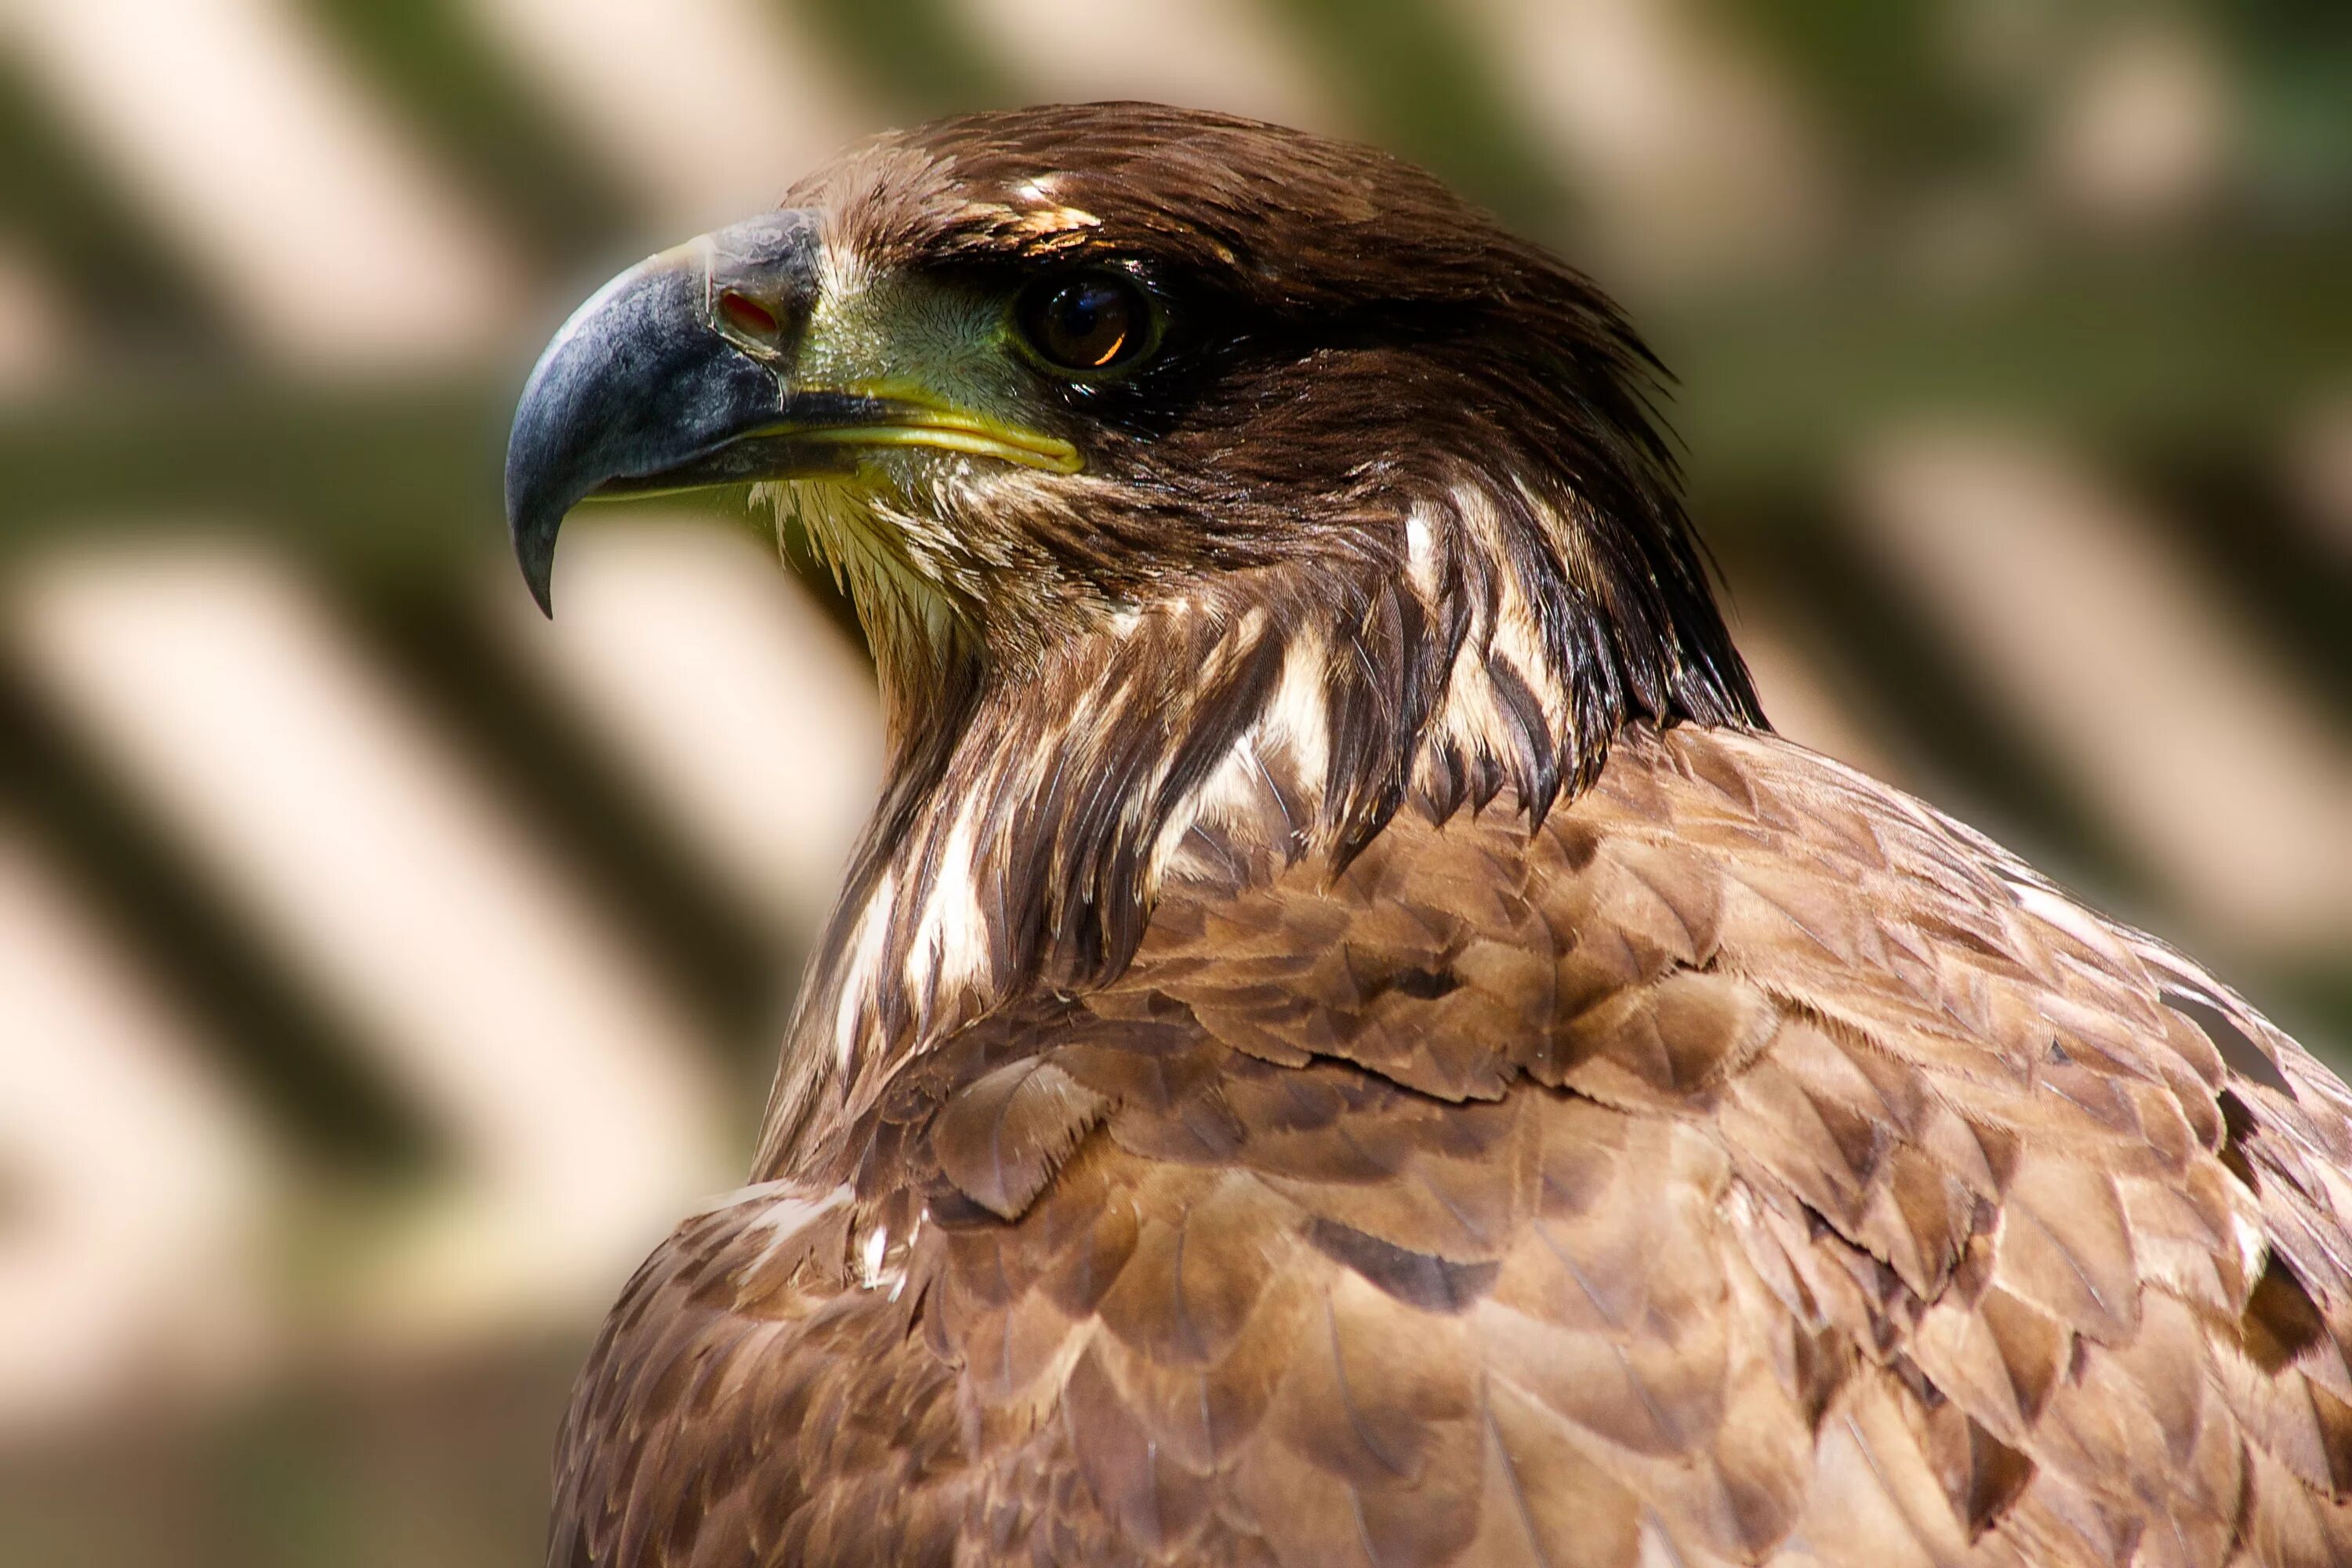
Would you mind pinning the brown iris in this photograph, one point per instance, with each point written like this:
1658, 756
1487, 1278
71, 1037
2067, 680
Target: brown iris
1088, 324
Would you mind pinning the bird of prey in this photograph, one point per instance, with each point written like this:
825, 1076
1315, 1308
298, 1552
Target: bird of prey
1348, 1039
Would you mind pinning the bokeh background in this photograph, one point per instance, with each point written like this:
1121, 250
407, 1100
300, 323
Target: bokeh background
381, 969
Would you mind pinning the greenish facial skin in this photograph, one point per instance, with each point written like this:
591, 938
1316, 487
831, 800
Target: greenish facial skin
971, 426
947, 345
920, 515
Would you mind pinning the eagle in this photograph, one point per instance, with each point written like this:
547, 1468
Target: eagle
1348, 1039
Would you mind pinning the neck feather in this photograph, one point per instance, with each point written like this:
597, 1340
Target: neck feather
1489, 639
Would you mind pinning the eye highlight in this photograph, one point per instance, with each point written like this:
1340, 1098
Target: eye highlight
1086, 323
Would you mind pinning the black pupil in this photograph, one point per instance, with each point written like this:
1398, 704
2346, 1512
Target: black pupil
1089, 323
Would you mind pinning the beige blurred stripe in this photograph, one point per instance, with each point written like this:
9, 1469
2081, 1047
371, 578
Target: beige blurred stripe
232, 122
35, 339
2097, 636
1690, 153
2319, 475
725, 687
134, 1193
1204, 54
578, 1104
2142, 130
709, 108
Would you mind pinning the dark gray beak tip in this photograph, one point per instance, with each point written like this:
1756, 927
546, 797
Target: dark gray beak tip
535, 553
543, 480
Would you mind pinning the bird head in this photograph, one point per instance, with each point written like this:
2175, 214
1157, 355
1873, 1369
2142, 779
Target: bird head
1207, 492
1027, 378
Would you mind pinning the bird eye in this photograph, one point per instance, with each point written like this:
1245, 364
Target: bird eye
1084, 324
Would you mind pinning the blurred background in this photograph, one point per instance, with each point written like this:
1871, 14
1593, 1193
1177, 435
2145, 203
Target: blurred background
382, 968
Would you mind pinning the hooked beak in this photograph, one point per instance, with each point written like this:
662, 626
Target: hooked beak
677, 374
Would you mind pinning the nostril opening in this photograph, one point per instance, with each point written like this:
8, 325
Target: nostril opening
749, 317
